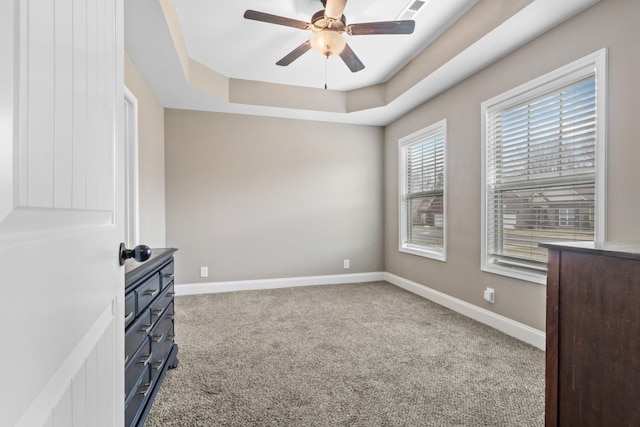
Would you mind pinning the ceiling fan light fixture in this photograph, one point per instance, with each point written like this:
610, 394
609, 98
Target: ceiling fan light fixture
328, 42
329, 24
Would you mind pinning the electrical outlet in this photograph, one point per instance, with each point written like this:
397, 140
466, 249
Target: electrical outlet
347, 264
490, 295
204, 271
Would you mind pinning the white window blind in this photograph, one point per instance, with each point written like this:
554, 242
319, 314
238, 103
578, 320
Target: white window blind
422, 201
540, 174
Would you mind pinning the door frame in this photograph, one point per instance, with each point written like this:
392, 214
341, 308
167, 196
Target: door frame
132, 197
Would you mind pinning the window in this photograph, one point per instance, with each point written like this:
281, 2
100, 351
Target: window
543, 157
422, 192
566, 217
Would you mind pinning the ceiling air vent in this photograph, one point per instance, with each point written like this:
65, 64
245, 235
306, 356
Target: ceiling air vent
411, 10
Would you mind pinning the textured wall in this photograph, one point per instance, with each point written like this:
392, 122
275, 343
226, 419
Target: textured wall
259, 198
611, 24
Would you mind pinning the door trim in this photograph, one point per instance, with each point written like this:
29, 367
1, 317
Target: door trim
132, 201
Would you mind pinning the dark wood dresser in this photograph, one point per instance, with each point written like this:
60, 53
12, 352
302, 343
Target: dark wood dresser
593, 335
149, 338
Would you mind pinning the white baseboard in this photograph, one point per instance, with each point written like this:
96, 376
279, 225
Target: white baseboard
504, 324
250, 285
510, 327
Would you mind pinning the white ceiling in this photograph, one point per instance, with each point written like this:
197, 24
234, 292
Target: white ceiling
217, 36
446, 47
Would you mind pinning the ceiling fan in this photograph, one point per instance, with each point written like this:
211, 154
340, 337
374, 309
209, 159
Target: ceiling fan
327, 26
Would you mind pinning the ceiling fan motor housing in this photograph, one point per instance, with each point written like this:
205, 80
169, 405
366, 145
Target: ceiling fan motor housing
321, 22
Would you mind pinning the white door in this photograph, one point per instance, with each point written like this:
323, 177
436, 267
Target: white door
61, 212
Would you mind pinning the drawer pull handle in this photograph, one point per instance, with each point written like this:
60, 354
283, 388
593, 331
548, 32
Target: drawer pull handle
158, 338
171, 294
145, 362
148, 386
156, 312
171, 336
158, 364
128, 317
152, 293
168, 275
147, 329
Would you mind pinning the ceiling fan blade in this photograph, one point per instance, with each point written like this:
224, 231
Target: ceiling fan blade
334, 8
351, 59
386, 27
275, 19
295, 54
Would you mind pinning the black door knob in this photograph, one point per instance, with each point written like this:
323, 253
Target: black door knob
140, 253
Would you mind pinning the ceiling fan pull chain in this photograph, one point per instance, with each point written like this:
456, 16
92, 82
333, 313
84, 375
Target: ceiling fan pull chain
326, 59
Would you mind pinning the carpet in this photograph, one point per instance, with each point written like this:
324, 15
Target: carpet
367, 354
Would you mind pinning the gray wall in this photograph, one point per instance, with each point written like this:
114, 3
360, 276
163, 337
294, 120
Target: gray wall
150, 158
611, 24
259, 198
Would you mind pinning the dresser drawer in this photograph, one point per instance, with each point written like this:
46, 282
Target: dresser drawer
136, 366
160, 304
129, 308
166, 274
147, 291
162, 339
163, 328
160, 355
136, 333
135, 402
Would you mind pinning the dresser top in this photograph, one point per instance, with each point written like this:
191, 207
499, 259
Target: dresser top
630, 250
134, 269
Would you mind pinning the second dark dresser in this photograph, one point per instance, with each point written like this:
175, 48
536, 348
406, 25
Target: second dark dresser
593, 335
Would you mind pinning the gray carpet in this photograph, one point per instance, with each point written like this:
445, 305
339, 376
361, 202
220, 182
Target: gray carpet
366, 354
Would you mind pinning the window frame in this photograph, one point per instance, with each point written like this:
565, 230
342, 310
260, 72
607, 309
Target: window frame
593, 64
432, 252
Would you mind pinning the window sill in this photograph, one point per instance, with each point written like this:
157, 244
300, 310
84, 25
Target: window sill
527, 276
438, 255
